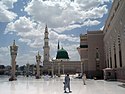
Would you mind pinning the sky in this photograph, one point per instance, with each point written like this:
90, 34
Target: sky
24, 21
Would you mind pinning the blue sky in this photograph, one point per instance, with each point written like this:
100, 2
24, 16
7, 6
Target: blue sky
25, 20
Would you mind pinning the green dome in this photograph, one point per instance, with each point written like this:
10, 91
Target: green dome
62, 54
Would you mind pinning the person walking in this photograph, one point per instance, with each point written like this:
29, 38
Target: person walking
67, 84
84, 78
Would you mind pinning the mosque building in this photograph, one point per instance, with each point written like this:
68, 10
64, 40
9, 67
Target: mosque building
88, 49
102, 53
61, 64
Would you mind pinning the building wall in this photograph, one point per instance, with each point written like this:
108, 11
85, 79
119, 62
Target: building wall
114, 31
95, 40
71, 67
95, 44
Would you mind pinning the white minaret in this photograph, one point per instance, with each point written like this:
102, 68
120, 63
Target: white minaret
46, 47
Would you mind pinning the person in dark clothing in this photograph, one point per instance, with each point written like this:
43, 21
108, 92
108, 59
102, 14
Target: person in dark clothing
67, 83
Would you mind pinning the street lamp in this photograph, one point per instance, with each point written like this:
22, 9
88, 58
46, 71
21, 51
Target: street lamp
13, 52
38, 57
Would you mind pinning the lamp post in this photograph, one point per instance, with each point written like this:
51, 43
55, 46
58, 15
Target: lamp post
38, 57
13, 52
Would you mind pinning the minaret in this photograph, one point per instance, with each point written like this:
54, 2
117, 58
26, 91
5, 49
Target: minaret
46, 47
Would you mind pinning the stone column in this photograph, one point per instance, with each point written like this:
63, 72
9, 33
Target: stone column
58, 69
38, 57
52, 67
82, 67
63, 69
13, 52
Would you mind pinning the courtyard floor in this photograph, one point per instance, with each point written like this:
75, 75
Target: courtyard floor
30, 85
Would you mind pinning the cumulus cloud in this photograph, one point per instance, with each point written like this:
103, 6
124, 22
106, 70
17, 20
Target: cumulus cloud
59, 14
28, 41
4, 49
5, 14
23, 25
90, 23
4, 55
9, 3
28, 30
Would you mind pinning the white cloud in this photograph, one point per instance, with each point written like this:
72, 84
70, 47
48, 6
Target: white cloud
102, 28
4, 55
28, 30
9, 3
90, 23
62, 29
3, 49
28, 41
22, 26
63, 14
23, 59
5, 14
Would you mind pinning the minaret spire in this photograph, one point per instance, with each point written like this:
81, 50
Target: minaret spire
58, 45
46, 29
13, 42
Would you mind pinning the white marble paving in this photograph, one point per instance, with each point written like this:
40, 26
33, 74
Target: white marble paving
30, 85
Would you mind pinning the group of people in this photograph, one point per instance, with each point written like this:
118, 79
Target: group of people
67, 82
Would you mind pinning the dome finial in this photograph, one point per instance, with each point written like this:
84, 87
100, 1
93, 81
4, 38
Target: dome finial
62, 47
46, 29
